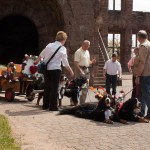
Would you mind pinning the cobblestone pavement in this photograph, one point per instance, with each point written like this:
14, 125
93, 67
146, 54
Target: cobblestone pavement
37, 129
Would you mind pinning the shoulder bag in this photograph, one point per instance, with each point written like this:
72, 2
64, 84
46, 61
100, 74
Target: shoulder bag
42, 67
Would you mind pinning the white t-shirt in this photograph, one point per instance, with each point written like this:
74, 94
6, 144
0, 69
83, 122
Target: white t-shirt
60, 56
82, 57
112, 68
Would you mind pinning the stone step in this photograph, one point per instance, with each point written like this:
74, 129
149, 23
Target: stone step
99, 72
99, 78
98, 82
101, 60
101, 64
100, 67
96, 85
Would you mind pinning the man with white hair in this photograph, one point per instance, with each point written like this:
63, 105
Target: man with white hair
143, 71
82, 63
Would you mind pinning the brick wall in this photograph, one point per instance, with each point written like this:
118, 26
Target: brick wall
80, 19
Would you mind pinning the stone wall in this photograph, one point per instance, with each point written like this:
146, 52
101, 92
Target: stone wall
81, 19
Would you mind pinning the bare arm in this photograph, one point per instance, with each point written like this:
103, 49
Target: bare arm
142, 59
104, 73
78, 67
120, 71
37, 60
70, 70
93, 61
130, 64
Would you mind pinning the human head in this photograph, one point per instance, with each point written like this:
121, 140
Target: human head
136, 50
114, 57
61, 36
141, 36
85, 44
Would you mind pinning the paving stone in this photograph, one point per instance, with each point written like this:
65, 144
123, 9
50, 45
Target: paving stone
36, 129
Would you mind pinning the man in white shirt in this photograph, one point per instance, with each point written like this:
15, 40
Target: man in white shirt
52, 75
82, 63
112, 69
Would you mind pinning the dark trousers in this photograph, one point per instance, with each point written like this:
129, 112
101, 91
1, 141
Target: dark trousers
111, 81
51, 78
134, 89
135, 92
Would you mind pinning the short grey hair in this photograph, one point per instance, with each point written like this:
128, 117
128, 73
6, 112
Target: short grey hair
142, 34
86, 41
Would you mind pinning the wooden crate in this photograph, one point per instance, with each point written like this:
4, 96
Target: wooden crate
5, 84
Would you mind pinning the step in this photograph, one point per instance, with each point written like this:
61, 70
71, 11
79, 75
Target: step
98, 82
96, 85
101, 61
101, 64
100, 72
100, 78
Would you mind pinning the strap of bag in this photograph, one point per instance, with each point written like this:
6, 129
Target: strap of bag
53, 55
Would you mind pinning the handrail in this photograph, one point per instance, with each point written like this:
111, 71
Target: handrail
104, 50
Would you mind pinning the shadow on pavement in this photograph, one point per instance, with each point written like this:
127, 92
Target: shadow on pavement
115, 124
16, 100
26, 112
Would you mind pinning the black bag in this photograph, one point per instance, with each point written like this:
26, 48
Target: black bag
42, 67
119, 82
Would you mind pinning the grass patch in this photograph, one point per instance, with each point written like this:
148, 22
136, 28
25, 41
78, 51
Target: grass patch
6, 140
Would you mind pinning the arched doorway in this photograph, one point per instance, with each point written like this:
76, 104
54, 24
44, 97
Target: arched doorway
18, 36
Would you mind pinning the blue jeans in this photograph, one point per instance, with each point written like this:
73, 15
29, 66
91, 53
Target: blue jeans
111, 80
145, 94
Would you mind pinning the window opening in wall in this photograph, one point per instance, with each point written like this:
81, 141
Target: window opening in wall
114, 44
141, 5
114, 4
135, 43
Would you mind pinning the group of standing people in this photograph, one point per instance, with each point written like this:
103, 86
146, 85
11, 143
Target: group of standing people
139, 66
52, 75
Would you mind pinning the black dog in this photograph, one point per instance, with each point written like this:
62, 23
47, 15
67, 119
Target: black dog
98, 111
130, 111
62, 85
73, 88
70, 89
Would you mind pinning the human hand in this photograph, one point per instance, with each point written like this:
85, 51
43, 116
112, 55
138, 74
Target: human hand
120, 77
137, 81
93, 61
82, 73
71, 74
104, 76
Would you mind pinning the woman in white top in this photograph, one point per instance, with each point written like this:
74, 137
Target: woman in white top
53, 72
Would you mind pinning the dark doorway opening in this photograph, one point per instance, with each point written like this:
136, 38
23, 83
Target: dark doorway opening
18, 36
